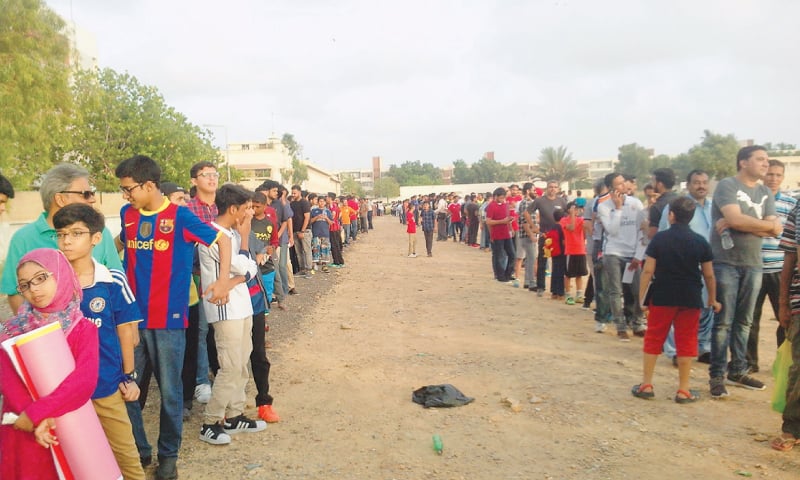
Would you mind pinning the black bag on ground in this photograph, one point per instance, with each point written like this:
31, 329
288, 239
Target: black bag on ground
440, 396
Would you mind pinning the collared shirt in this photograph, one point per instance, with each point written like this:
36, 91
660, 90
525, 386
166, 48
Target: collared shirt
526, 205
771, 254
428, 219
677, 281
39, 234
700, 223
204, 211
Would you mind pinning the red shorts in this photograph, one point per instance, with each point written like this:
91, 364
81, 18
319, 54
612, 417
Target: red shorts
685, 320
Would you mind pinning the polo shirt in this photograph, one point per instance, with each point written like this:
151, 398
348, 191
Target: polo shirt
108, 303
677, 281
39, 234
498, 211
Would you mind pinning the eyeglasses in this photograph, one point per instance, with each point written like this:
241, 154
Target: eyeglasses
208, 174
87, 194
73, 234
128, 190
37, 279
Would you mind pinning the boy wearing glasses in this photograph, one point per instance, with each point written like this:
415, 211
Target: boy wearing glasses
108, 303
62, 185
159, 239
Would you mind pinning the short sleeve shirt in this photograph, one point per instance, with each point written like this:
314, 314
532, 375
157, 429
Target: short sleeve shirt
546, 208
677, 280
498, 211
789, 244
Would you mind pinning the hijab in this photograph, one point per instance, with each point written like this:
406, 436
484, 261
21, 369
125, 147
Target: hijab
66, 305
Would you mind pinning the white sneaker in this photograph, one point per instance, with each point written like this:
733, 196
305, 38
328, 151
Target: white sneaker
202, 393
412, 255
599, 327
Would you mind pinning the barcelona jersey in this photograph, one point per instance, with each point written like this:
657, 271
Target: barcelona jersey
158, 249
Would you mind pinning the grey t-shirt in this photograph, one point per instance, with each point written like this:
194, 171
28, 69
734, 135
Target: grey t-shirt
756, 202
546, 208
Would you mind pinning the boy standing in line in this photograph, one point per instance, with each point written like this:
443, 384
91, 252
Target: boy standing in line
108, 303
321, 220
158, 238
428, 220
233, 322
411, 229
336, 232
575, 250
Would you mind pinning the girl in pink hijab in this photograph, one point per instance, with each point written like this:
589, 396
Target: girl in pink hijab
52, 293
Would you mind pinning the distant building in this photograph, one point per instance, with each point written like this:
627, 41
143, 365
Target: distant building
365, 177
270, 159
598, 168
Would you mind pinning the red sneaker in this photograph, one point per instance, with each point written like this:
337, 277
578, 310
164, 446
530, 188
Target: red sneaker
266, 413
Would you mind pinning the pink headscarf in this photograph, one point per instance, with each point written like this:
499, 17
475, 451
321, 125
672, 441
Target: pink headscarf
66, 305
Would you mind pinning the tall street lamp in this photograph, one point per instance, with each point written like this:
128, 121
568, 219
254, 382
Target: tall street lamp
227, 147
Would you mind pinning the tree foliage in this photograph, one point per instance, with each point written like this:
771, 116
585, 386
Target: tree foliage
351, 187
634, 159
386, 187
416, 173
34, 90
716, 154
485, 170
117, 117
557, 164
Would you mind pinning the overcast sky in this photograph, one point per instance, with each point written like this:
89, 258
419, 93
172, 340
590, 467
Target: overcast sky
440, 80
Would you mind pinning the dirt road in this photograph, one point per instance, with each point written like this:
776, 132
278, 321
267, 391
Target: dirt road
356, 342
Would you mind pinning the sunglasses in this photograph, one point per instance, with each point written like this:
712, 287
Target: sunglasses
87, 194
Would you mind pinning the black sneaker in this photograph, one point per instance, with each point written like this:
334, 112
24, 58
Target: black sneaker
718, 389
241, 424
214, 434
167, 468
705, 358
623, 337
745, 381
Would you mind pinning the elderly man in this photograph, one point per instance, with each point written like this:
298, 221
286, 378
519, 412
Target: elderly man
61, 185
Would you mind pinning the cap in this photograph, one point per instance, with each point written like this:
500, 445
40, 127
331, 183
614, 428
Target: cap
168, 188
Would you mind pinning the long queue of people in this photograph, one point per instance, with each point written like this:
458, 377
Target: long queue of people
689, 274
183, 293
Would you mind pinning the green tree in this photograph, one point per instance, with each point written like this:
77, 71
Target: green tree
462, 173
416, 173
294, 148
386, 187
715, 154
299, 172
117, 117
634, 159
351, 187
557, 164
35, 97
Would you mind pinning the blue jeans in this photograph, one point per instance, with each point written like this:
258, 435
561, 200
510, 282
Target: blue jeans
202, 350
703, 335
164, 349
613, 269
737, 289
282, 270
530, 260
602, 312
503, 256
485, 239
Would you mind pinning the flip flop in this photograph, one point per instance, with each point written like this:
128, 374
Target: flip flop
688, 397
784, 443
638, 391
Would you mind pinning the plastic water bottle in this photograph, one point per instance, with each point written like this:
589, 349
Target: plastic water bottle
726, 239
437, 444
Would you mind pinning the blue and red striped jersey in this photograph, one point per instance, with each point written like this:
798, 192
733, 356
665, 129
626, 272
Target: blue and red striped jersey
158, 260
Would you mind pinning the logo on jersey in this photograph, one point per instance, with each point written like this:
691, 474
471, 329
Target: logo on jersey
162, 245
166, 225
97, 304
145, 229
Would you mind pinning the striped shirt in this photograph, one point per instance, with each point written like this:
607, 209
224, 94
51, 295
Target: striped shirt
788, 243
771, 254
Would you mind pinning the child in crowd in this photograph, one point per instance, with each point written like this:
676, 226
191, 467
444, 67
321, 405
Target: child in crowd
108, 303
575, 250
264, 226
336, 231
675, 296
321, 219
411, 229
428, 219
233, 322
555, 237
51, 293
346, 213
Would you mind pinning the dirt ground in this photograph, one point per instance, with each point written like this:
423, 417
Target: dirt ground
355, 343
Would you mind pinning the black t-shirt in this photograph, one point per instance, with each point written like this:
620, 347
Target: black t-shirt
658, 208
678, 281
299, 207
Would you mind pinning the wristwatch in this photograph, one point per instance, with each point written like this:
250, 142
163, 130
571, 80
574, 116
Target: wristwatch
131, 377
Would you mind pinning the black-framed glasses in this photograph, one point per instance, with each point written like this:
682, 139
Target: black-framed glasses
128, 190
87, 194
208, 174
73, 234
37, 279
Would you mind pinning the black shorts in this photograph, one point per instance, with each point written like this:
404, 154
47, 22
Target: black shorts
576, 266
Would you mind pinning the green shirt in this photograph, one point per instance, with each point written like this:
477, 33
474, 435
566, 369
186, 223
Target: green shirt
39, 234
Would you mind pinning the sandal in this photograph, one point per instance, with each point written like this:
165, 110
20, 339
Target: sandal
638, 391
784, 443
688, 397
570, 301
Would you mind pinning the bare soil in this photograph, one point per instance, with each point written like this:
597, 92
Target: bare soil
355, 343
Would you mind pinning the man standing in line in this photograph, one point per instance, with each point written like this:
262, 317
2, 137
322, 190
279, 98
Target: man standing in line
546, 205
302, 230
744, 211
663, 181
441, 218
526, 248
498, 218
772, 257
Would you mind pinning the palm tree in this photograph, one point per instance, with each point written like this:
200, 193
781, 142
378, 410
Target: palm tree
557, 164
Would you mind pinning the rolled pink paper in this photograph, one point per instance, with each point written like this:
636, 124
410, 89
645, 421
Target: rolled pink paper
43, 359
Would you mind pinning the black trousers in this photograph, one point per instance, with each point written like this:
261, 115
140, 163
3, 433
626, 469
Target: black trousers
429, 241
770, 287
336, 248
259, 361
189, 372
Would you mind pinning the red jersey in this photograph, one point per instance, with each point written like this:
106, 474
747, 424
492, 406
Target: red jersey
455, 212
574, 241
498, 211
412, 225
337, 214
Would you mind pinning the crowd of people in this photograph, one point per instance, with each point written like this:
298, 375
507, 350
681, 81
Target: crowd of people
182, 293
689, 274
